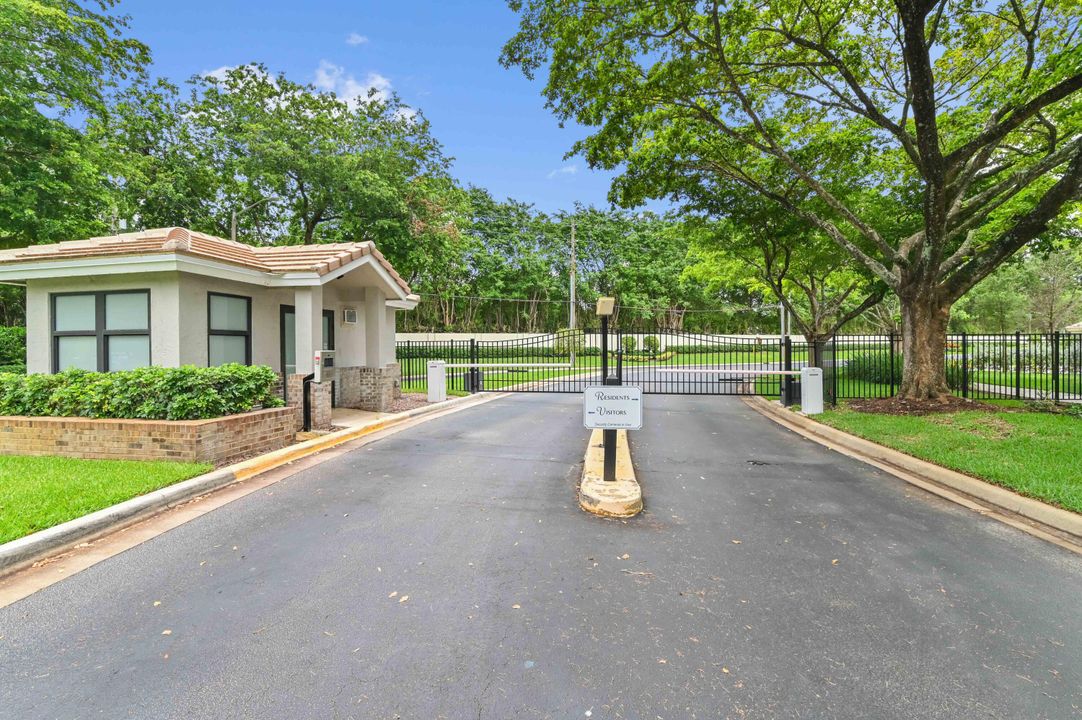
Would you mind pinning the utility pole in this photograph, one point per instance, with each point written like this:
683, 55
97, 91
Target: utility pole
574, 263
233, 218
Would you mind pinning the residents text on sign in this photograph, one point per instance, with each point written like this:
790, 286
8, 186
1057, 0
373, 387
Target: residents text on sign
612, 407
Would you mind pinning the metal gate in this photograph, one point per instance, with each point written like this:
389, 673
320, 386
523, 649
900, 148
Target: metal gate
663, 362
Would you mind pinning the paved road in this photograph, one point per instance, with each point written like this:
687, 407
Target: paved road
769, 578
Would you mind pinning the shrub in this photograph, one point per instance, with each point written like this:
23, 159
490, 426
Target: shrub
633, 357
628, 343
955, 375
568, 341
874, 367
750, 346
151, 393
651, 344
13, 346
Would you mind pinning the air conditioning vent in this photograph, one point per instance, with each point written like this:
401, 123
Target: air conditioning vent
349, 316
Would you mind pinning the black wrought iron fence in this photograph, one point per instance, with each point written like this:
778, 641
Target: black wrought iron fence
1022, 366
413, 357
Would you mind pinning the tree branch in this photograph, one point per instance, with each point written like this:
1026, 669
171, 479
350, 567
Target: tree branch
1005, 120
1026, 228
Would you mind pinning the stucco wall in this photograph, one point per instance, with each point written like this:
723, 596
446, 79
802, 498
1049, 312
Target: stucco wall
164, 312
194, 290
178, 318
266, 319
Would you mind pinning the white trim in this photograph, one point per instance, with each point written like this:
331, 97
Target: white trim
177, 262
402, 304
77, 267
376, 265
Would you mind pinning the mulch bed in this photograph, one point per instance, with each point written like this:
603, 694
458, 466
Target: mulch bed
408, 401
899, 406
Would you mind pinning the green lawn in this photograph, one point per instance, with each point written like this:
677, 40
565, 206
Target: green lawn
39, 492
1032, 453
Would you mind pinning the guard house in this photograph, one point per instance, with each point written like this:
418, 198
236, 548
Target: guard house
174, 297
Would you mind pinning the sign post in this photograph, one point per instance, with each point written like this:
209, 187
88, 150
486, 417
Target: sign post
605, 308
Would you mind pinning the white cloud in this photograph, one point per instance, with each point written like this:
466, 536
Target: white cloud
334, 78
405, 113
219, 73
356, 39
565, 170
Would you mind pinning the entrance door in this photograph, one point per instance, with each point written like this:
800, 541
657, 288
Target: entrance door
288, 337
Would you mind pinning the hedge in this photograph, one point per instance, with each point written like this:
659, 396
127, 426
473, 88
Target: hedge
13, 346
151, 393
750, 347
874, 367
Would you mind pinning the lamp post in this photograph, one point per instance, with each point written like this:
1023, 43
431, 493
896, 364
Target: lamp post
605, 307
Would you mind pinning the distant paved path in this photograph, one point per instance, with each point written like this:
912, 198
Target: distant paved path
1025, 393
769, 578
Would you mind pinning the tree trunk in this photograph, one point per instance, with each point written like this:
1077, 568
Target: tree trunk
924, 341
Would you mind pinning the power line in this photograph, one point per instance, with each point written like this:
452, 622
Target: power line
729, 308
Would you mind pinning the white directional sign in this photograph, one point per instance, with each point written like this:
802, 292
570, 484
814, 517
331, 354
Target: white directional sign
612, 407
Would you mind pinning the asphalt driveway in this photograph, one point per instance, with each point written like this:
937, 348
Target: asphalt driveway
446, 572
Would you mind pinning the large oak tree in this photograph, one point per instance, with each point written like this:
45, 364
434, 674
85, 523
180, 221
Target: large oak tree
930, 141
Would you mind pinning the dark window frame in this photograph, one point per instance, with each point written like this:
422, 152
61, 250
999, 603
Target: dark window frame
246, 334
284, 310
100, 332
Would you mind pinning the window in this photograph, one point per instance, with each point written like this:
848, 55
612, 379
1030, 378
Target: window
328, 338
101, 330
229, 329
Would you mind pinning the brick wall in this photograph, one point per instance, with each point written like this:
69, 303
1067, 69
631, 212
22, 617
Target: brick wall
369, 388
219, 441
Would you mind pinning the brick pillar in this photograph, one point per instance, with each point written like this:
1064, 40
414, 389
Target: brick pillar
393, 375
320, 399
320, 394
293, 385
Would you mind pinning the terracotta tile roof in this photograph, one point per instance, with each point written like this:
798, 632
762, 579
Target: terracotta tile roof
276, 259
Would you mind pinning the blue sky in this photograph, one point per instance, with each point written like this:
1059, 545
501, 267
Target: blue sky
441, 57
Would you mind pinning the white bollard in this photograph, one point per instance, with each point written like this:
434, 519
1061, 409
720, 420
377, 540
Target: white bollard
811, 390
437, 381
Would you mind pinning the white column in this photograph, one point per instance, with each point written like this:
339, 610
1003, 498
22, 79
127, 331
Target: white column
167, 326
388, 357
375, 327
38, 336
308, 305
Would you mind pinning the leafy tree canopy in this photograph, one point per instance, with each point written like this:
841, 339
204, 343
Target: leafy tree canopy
293, 164
929, 141
59, 60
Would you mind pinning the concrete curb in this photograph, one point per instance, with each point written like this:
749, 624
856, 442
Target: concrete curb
621, 498
1056, 524
18, 554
